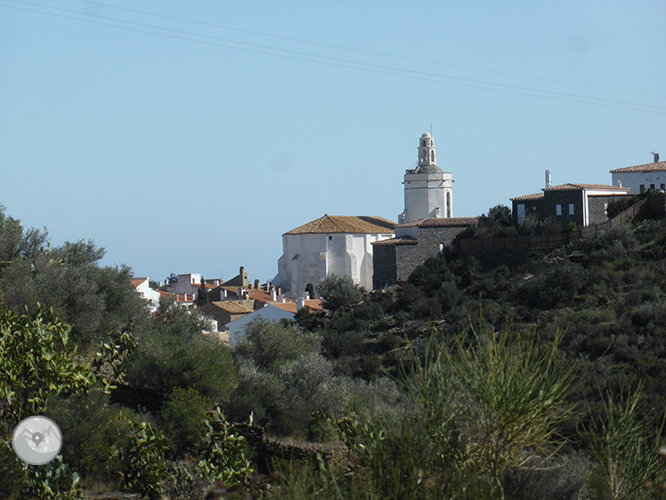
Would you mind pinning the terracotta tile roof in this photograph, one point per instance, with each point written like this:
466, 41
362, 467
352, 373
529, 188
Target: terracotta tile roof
647, 167
136, 282
580, 187
441, 222
528, 197
345, 224
231, 306
291, 306
402, 240
288, 305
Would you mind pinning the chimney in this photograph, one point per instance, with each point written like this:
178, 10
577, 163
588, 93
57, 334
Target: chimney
306, 295
548, 184
282, 299
656, 157
273, 293
256, 284
300, 303
619, 183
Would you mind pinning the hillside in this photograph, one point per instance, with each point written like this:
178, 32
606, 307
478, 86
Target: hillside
542, 379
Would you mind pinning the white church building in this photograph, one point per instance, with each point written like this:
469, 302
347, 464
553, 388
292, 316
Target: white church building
332, 244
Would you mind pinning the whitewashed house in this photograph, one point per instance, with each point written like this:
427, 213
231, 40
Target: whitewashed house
142, 286
640, 178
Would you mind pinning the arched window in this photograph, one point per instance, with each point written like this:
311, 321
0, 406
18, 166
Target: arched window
448, 204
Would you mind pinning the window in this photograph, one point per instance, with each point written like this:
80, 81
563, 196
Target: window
558, 209
571, 208
520, 209
441, 248
330, 238
642, 188
662, 187
651, 186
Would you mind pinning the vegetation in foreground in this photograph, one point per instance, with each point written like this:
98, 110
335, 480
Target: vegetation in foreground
543, 380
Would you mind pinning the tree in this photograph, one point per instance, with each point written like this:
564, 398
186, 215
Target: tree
202, 298
37, 360
339, 291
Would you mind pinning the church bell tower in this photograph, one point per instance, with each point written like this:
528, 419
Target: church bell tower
428, 190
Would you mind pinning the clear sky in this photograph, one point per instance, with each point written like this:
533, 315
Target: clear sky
188, 136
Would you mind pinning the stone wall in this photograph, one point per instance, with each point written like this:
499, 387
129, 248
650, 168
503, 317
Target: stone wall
384, 263
564, 198
409, 257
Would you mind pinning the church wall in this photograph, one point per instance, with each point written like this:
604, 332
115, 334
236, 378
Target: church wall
409, 257
384, 266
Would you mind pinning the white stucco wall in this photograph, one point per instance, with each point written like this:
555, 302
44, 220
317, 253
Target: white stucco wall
148, 293
308, 258
633, 180
271, 313
426, 196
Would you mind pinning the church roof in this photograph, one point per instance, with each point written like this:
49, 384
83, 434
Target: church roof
345, 224
401, 240
647, 167
441, 222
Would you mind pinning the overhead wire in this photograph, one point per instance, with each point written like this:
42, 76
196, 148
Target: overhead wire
363, 51
335, 61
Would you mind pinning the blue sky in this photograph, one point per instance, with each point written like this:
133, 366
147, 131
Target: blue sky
189, 136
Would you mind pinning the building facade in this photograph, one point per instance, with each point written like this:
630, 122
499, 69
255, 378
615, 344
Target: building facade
582, 204
640, 178
332, 244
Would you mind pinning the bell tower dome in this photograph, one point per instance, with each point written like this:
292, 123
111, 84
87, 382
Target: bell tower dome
428, 190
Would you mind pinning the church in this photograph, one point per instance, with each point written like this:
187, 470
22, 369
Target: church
425, 227
373, 251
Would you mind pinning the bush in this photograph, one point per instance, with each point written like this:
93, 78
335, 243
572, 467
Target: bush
140, 461
184, 415
11, 473
339, 291
37, 360
92, 428
269, 344
163, 362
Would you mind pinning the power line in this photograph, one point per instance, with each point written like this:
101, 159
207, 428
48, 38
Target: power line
337, 62
363, 51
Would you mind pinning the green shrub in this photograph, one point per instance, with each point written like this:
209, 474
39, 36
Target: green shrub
37, 360
140, 462
226, 458
339, 291
52, 481
92, 428
12, 474
164, 361
184, 415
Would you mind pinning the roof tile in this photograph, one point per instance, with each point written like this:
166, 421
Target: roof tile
345, 224
647, 167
